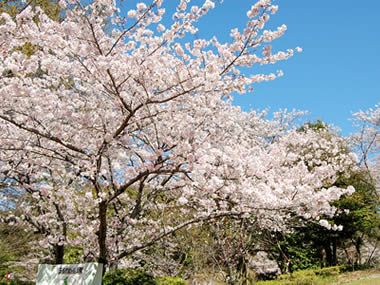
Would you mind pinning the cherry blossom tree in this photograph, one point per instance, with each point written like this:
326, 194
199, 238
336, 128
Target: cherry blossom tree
367, 142
119, 132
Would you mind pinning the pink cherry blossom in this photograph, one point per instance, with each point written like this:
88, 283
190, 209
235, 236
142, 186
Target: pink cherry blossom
140, 121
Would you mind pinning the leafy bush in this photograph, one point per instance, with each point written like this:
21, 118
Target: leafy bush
128, 277
328, 271
114, 277
303, 277
166, 280
355, 267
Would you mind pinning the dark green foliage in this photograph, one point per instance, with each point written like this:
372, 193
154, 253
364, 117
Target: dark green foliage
363, 206
128, 277
115, 277
296, 252
362, 220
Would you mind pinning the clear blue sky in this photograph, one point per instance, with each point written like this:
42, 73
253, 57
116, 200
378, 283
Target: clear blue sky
337, 73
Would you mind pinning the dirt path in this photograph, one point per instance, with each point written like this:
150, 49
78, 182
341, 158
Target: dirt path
357, 276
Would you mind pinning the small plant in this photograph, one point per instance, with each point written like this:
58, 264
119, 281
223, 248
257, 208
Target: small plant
128, 277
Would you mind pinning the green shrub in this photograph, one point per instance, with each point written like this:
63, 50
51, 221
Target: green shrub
302, 277
328, 271
345, 268
128, 277
166, 280
305, 277
303, 273
363, 267
114, 277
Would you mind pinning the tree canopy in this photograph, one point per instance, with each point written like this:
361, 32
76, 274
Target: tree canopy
128, 134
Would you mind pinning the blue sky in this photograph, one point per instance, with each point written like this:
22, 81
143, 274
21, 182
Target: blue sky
339, 69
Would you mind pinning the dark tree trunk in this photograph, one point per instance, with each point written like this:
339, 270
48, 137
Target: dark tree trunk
59, 252
102, 233
334, 261
358, 244
327, 248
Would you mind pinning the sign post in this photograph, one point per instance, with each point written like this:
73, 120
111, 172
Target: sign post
70, 274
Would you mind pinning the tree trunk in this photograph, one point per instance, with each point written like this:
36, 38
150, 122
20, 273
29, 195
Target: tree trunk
323, 257
60, 247
358, 244
102, 233
328, 253
59, 251
334, 261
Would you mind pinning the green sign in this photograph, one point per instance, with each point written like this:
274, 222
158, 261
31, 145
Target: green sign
70, 274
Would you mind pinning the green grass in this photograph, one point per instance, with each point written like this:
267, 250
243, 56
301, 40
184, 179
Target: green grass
327, 280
